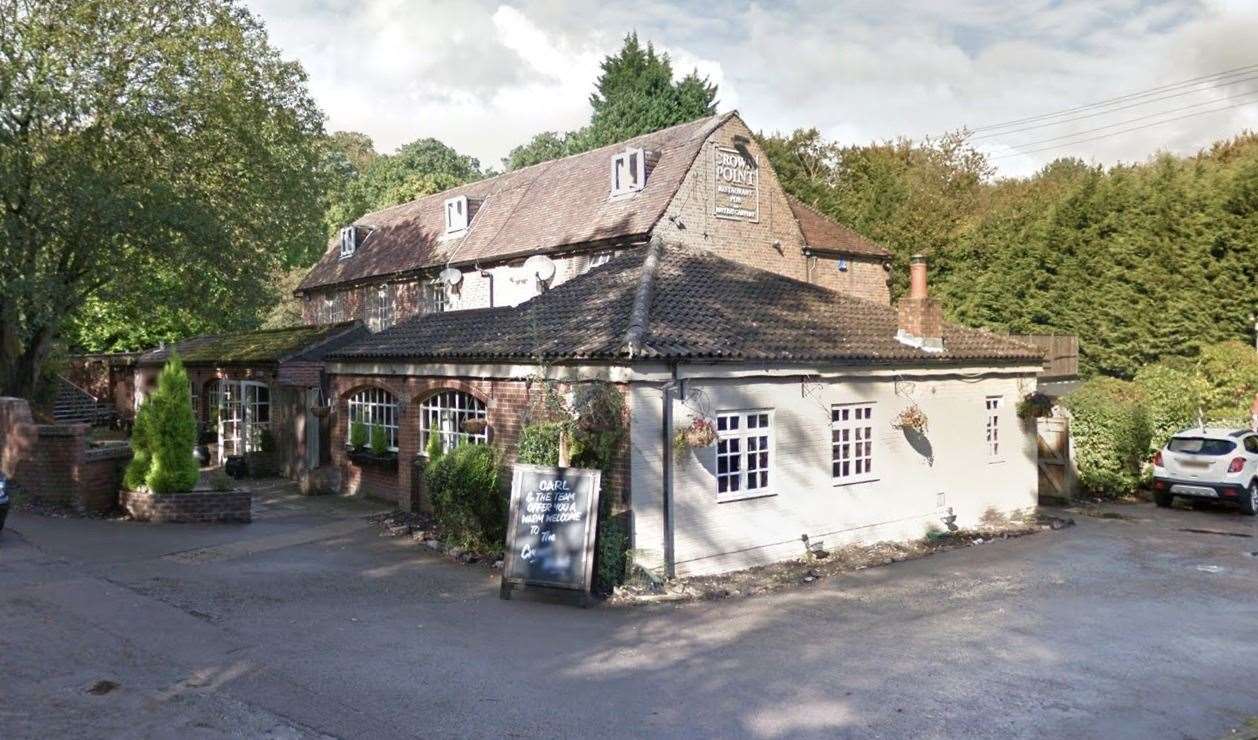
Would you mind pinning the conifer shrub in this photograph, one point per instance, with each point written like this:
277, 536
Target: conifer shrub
138, 469
467, 499
1111, 431
357, 435
434, 448
379, 441
164, 436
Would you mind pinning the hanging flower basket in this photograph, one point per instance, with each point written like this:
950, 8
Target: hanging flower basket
699, 433
321, 411
911, 419
1035, 406
474, 426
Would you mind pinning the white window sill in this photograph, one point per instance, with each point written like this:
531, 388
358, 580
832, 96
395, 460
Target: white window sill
743, 496
853, 481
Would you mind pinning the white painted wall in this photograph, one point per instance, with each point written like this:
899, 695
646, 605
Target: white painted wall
512, 284
901, 504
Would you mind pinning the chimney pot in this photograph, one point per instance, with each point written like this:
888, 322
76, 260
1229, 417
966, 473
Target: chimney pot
917, 277
920, 317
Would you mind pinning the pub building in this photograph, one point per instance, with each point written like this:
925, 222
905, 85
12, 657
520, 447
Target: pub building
675, 267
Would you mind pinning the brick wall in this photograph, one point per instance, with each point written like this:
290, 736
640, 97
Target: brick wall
506, 403
193, 506
52, 463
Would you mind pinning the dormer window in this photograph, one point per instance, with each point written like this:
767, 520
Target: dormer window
456, 214
349, 241
628, 171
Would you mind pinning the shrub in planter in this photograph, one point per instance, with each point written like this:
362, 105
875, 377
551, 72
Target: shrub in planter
138, 469
357, 435
1111, 432
379, 441
467, 499
163, 459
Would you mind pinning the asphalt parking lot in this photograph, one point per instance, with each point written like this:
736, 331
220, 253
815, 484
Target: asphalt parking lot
307, 623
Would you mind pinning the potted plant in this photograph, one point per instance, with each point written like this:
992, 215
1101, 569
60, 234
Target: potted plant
475, 426
376, 451
911, 419
357, 435
1035, 406
700, 432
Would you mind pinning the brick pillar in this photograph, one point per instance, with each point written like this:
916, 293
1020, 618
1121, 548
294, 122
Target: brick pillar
407, 448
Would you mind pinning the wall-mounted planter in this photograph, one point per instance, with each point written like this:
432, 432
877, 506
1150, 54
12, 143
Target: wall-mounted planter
367, 458
205, 507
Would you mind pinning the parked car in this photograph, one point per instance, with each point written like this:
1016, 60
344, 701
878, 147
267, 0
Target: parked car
4, 499
1207, 463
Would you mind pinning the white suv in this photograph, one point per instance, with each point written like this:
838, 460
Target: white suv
1220, 464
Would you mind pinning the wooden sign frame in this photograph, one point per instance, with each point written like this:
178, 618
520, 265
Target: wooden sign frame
590, 513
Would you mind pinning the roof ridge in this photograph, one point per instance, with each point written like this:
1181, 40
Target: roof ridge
640, 314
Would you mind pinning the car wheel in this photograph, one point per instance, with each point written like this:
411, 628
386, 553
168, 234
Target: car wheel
1249, 504
1163, 499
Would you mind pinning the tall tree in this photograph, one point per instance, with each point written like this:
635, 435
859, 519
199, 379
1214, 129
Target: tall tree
149, 151
635, 94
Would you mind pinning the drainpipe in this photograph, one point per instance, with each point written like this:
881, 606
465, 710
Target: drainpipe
670, 565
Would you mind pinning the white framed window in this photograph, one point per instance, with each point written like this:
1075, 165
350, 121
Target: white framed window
596, 259
436, 297
240, 409
852, 442
628, 171
744, 454
994, 450
380, 307
457, 416
349, 241
456, 214
373, 408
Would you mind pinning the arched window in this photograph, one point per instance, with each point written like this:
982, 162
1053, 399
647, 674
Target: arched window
374, 408
457, 416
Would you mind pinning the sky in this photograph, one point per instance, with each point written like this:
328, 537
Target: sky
486, 76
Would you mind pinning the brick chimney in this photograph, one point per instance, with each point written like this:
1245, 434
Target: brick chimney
920, 316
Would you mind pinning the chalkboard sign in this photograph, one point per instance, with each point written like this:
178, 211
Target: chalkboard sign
550, 533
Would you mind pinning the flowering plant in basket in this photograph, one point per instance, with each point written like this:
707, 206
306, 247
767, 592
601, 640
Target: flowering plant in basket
911, 418
700, 432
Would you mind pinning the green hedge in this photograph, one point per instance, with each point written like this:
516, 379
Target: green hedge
1172, 396
467, 498
1230, 372
1111, 431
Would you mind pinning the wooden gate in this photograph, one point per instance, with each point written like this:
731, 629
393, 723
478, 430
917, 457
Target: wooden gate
1056, 458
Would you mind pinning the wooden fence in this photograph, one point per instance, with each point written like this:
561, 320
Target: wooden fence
1061, 353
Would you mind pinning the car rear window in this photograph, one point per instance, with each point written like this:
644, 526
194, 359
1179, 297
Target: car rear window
1200, 446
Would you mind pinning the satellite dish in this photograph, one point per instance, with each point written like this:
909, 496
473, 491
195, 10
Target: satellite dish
541, 266
452, 277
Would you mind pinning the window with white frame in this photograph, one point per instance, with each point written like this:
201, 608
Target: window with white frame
744, 454
458, 417
994, 450
374, 408
852, 442
380, 307
456, 214
349, 241
240, 410
628, 171
596, 259
436, 297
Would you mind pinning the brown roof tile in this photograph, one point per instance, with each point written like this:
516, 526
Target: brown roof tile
701, 307
821, 232
545, 207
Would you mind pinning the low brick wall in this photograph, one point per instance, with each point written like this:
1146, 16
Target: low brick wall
100, 477
193, 506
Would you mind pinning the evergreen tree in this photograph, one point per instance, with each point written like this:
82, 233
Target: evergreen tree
171, 432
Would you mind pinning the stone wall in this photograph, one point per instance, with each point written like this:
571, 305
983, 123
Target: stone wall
52, 463
207, 507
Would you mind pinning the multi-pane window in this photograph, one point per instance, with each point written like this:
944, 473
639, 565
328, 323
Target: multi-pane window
380, 307
744, 454
374, 408
435, 297
241, 410
851, 442
993, 427
456, 416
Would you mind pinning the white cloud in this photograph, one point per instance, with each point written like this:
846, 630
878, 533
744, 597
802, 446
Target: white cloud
485, 76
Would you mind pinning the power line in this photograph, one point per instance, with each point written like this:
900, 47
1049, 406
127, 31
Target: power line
1123, 131
1217, 76
1114, 110
1146, 117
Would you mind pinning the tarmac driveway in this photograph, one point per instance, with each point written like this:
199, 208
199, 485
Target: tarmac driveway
308, 623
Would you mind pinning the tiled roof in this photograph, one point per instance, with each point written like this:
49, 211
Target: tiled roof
701, 307
259, 347
545, 207
821, 232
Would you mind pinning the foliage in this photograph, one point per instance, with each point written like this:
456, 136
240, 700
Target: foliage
634, 95
434, 447
539, 443
1172, 398
1035, 406
1111, 432
911, 418
379, 441
164, 436
357, 435
1230, 373
612, 553
467, 499
1141, 262
156, 161
700, 432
